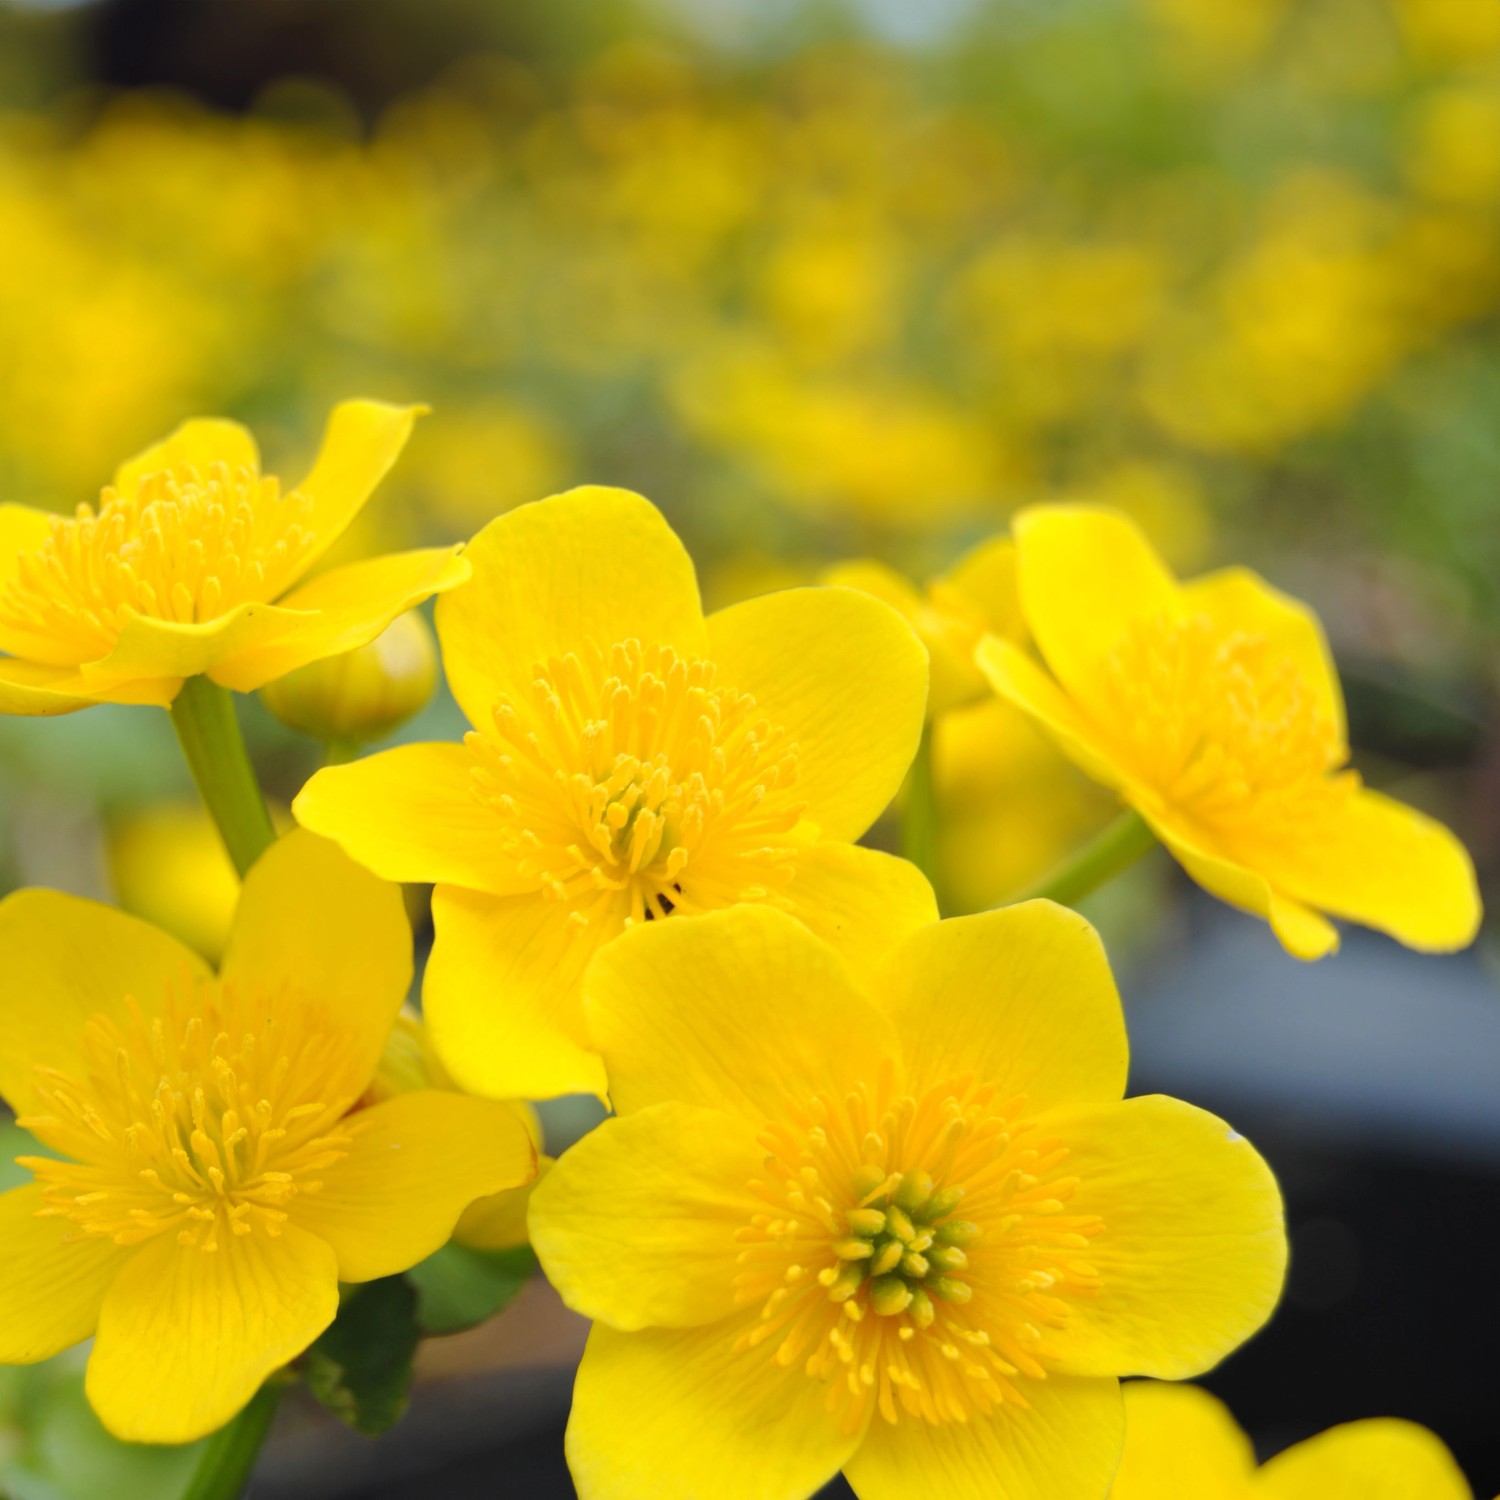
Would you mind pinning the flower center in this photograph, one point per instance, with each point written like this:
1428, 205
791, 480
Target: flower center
203, 1121
632, 785
1225, 728
187, 547
916, 1254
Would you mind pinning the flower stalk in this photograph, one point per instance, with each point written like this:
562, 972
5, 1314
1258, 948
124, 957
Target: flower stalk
1114, 849
223, 1472
209, 733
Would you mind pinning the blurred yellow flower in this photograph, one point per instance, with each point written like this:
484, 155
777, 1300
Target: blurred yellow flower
1214, 709
213, 1181
1181, 1444
629, 761
912, 1232
175, 573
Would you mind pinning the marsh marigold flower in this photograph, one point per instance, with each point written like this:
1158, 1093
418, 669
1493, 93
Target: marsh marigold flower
908, 1228
630, 761
192, 565
1214, 709
1181, 1444
212, 1180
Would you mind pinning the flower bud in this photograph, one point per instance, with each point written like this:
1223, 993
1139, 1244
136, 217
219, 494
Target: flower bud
364, 694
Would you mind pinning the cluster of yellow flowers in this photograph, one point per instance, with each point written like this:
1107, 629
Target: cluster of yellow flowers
872, 1198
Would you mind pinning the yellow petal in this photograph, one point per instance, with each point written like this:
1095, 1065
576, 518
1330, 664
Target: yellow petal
860, 901
501, 995
1020, 681
637, 1224
872, 577
1381, 1459
675, 1414
1021, 998
1181, 1444
196, 444
1385, 865
743, 1011
67, 959
338, 611
186, 1336
39, 691
411, 814
1240, 601
50, 1291
499, 1221
1192, 1251
416, 1163
361, 442
313, 922
1086, 575
1062, 1445
846, 678
593, 564
987, 576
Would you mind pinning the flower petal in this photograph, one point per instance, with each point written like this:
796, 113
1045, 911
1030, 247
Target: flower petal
860, 901
1017, 679
67, 959
1192, 1252
1086, 574
676, 1414
39, 691
1063, 1445
186, 1336
1181, 1444
23, 528
593, 564
417, 1162
846, 678
50, 1291
743, 1011
499, 1221
1381, 1459
312, 921
1022, 998
637, 1224
987, 576
1388, 866
501, 995
411, 814
361, 442
339, 611
197, 443
1241, 601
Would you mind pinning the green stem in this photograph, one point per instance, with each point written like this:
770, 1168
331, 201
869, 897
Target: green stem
229, 1456
919, 817
1101, 859
209, 733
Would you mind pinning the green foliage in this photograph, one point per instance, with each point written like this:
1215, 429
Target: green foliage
458, 1288
360, 1369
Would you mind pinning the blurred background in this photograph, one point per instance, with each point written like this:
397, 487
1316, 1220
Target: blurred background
831, 279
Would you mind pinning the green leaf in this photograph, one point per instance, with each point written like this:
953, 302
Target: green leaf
15, 1142
361, 1367
458, 1288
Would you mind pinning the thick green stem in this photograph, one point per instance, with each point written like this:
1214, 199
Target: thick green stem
209, 733
1101, 859
229, 1456
919, 817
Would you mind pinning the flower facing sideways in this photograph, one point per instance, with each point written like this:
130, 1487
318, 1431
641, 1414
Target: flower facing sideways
1214, 709
1181, 1444
910, 1231
210, 1180
630, 761
192, 565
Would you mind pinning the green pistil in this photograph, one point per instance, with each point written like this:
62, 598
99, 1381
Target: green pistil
903, 1244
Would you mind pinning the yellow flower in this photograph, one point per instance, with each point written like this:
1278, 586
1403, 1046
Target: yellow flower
911, 1231
176, 572
1214, 709
215, 1182
1181, 1444
630, 760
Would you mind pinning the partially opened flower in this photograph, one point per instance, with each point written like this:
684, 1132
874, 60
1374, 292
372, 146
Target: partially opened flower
1181, 1444
192, 565
213, 1180
911, 1230
630, 761
1214, 709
